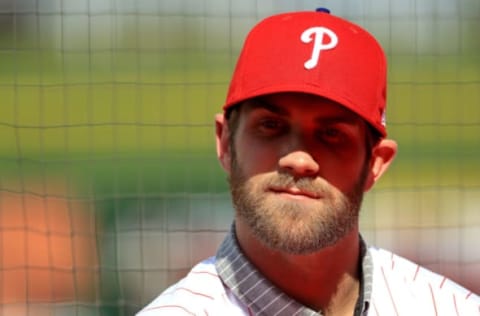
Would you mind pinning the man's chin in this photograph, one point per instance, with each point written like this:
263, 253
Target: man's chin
295, 236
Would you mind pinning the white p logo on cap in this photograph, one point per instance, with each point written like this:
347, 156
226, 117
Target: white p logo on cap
317, 34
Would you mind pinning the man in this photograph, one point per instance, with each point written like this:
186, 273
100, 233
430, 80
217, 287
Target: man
302, 137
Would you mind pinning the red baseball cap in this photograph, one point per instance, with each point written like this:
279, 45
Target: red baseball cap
315, 53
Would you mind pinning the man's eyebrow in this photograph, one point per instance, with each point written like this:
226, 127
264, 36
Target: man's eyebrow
260, 103
338, 119
344, 117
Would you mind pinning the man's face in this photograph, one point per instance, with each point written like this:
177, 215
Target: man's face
298, 169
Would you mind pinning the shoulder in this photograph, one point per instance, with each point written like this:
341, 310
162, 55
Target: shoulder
200, 292
402, 284
194, 292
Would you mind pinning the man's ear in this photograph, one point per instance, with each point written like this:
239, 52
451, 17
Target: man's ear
222, 136
382, 156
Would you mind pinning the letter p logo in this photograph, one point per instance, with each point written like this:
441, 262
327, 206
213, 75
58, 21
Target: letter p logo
317, 34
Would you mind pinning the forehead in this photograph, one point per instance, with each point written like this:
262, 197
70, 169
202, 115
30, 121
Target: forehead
302, 105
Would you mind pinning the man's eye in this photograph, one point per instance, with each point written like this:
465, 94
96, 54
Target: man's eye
271, 126
331, 135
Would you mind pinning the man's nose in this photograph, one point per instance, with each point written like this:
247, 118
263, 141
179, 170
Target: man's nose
299, 163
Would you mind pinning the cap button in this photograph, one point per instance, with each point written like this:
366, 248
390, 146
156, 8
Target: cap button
323, 10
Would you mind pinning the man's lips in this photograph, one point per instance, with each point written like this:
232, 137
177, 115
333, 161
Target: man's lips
294, 191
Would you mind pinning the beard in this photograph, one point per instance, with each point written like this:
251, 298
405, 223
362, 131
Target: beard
293, 226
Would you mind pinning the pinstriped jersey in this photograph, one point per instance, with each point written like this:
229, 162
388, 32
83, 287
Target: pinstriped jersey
228, 284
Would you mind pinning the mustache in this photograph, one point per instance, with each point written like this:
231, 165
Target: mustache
284, 180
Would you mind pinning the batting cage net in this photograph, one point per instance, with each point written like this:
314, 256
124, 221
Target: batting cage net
109, 186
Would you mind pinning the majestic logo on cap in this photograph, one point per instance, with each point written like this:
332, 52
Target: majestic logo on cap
317, 34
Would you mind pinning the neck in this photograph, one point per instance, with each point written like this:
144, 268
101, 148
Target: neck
327, 280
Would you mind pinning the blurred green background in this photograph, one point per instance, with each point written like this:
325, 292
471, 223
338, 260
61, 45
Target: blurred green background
115, 101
